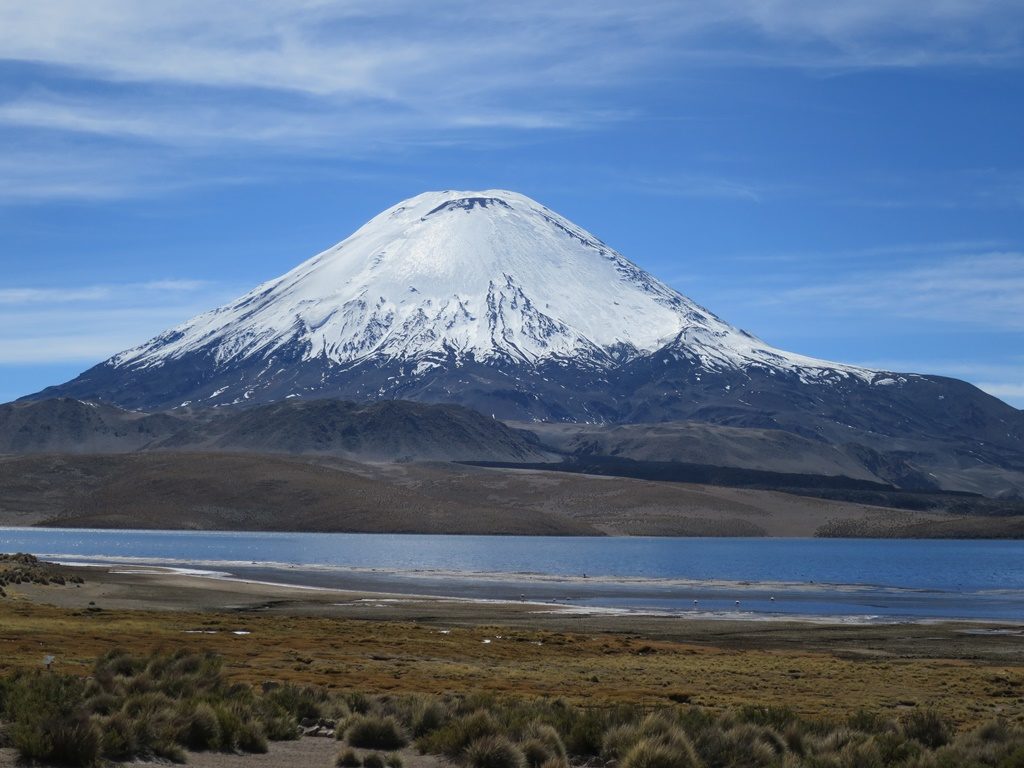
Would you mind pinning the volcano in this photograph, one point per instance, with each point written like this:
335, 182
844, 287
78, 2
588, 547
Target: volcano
491, 300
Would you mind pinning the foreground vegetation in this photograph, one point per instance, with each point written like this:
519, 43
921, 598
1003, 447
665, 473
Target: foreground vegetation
162, 705
21, 568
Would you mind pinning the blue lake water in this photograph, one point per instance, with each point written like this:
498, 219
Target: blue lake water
841, 578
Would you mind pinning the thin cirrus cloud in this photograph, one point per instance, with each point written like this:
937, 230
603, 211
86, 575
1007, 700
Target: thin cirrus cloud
981, 290
86, 324
160, 86
895, 289
29, 296
382, 49
449, 63
58, 172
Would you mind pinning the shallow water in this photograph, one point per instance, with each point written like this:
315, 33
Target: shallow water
861, 579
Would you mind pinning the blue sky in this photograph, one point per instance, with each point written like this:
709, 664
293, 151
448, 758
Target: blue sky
845, 180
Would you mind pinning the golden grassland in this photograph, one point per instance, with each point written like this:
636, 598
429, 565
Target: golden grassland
592, 667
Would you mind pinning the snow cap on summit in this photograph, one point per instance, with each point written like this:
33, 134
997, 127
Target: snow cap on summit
456, 274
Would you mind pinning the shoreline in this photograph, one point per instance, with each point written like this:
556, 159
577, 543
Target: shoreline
379, 643
60, 525
689, 599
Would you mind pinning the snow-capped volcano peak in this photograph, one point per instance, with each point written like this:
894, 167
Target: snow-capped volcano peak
453, 276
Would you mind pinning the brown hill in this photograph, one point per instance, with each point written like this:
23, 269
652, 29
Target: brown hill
222, 491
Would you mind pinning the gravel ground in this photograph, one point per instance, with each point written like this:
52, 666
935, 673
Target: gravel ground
308, 752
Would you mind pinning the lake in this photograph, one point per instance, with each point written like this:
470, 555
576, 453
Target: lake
842, 579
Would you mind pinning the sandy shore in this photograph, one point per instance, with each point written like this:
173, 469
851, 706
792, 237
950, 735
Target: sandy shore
149, 588
581, 595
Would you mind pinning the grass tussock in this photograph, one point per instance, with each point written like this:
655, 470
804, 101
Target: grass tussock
160, 706
141, 707
376, 732
494, 752
348, 758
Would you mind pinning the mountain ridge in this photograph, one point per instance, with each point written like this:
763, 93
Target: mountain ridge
383, 431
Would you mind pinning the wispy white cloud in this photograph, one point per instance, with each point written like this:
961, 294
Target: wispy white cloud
454, 63
955, 304
705, 186
354, 77
975, 290
384, 49
86, 324
891, 255
93, 293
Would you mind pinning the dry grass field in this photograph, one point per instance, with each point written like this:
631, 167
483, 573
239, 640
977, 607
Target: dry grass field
352, 642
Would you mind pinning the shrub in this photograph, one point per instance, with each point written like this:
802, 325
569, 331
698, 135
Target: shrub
836, 740
120, 738
359, 703
754, 739
146, 703
771, 716
157, 732
494, 752
535, 752
168, 750
68, 740
863, 754
373, 760
620, 740
655, 753
347, 758
251, 738
870, 722
453, 739
278, 726
373, 732
301, 703
1013, 759
43, 695
103, 703
549, 737
927, 727
200, 729
426, 716
394, 760
585, 735
230, 725
74, 741
795, 742
49, 723
745, 744
118, 663
895, 749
